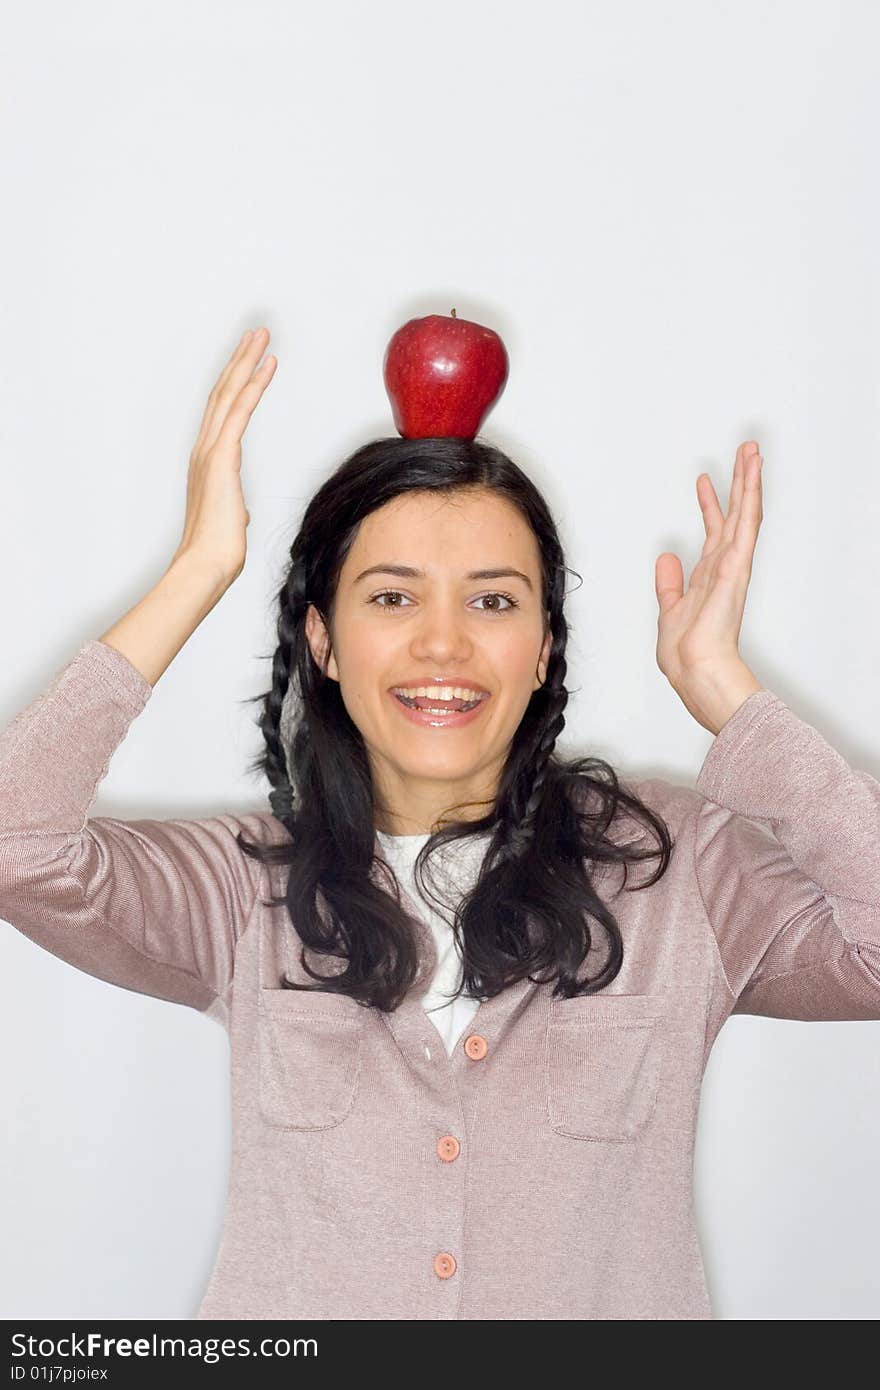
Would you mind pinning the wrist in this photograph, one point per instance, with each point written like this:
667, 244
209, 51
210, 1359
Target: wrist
195, 571
714, 695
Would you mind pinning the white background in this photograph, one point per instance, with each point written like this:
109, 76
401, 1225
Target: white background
670, 215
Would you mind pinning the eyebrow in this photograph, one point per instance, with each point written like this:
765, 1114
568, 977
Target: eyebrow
407, 572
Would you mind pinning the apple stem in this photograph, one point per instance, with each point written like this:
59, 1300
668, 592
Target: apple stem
453, 313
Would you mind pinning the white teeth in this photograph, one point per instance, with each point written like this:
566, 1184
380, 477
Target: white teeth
438, 692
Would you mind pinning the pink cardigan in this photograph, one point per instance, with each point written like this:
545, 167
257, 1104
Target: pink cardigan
544, 1169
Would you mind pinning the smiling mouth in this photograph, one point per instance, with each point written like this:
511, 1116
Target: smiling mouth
429, 706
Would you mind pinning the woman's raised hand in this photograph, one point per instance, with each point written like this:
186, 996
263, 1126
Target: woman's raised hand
216, 515
698, 630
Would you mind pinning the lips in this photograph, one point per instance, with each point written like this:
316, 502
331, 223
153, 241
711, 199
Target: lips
449, 716
437, 682
435, 703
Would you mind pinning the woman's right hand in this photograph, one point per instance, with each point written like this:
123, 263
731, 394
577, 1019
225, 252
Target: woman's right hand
216, 515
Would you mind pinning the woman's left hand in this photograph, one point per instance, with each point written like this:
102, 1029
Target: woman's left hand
698, 631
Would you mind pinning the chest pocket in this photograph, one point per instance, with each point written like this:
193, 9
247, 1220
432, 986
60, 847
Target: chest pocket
603, 1064
310, 1048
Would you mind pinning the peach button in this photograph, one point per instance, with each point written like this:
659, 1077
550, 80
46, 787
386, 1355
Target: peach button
448, 1147
444, 1264
476, 1046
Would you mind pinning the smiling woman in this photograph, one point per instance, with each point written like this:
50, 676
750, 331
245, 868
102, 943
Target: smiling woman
433, 708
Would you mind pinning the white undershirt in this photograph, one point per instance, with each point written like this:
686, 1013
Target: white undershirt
455, 868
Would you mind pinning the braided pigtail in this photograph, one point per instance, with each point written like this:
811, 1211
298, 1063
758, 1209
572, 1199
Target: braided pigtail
273, 761
276, 768
549, 723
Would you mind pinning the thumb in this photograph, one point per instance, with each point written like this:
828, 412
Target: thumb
668, 580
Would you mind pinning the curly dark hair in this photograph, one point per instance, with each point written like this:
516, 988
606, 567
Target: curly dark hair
530, 908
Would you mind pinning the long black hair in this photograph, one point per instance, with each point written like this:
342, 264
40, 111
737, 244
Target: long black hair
530, 908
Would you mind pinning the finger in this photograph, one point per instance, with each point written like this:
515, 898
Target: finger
240, 367
240, 349
236, 371
745, 451
668, 580
239, 372
751, 510
243, 360
244, 343
733, 500
713, 517
237, 417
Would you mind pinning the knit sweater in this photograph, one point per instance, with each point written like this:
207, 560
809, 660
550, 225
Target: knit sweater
542, 1167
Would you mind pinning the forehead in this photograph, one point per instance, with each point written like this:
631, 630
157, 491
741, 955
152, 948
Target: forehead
459, 530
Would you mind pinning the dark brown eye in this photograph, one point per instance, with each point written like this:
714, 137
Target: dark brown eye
510, 599
387, 593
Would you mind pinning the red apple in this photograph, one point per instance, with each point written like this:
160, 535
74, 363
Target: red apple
443, 375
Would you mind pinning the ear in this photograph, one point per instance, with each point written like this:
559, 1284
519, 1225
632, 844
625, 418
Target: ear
319, 642
543, 661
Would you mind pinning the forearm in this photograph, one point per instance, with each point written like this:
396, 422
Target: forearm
152, 632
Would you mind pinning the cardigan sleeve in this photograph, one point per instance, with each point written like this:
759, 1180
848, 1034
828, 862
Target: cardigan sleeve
787, 857
154, 906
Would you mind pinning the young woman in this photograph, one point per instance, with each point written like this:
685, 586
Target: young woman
464, 1085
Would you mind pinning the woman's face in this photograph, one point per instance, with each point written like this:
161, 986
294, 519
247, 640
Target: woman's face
436, 625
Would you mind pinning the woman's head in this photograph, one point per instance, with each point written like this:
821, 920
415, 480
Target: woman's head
416, 562
440, 586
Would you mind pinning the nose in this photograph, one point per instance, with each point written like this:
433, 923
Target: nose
441, 636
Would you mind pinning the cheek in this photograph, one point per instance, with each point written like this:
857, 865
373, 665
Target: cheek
363, 657
516, 658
